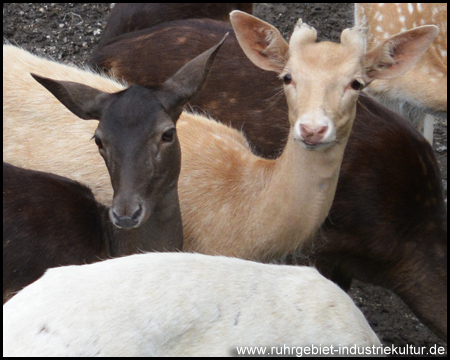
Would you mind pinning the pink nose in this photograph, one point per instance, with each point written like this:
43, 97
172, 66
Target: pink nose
312, 136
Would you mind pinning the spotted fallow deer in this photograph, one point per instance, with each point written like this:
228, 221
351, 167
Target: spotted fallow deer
422, 91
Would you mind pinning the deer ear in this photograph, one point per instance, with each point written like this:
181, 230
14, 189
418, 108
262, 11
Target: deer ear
260, 41
188, 81
399, 53
84, 101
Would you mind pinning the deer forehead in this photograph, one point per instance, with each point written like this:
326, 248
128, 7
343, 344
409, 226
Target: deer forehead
324, 63
134, 112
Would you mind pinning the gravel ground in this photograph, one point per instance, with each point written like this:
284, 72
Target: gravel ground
69, 32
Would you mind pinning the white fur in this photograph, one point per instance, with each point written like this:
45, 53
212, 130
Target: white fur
178, 304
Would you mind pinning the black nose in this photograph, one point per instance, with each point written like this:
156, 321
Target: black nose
127, 222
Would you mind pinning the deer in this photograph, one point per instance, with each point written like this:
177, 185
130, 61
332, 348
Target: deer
145, 213
131, 17
180, 304
421, 92
257, 205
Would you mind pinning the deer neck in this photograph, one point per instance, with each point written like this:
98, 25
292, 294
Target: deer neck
301, 190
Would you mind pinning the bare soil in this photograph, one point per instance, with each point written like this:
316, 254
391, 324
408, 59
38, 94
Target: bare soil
69, 32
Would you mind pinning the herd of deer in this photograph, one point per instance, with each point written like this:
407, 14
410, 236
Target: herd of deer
141, 256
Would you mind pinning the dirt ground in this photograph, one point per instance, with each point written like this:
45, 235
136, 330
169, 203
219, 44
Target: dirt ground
68, 32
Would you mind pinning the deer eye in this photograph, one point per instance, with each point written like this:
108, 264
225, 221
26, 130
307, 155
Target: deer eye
98, 142
356, 85
168, 135
287, 79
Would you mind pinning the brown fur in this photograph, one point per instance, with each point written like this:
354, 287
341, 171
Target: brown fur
51, 221
130, 17
48, 221
230, 104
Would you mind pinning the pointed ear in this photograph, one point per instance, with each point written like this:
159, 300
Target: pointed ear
188, 81
398, 54
260, 41
84, 101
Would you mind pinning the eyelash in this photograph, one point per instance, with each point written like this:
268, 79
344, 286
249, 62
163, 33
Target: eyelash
98, 142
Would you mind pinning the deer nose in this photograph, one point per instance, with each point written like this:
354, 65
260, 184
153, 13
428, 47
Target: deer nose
125, 221
312, 136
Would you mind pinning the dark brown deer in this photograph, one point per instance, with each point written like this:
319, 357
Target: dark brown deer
59, 222
388, 212
129, 17
51, 221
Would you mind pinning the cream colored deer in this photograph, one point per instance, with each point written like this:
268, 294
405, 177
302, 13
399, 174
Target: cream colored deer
423, 89
238, 204
233, 202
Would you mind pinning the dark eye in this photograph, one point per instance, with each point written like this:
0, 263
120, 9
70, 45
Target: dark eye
287, 79
168, 135
98, 142
356, 85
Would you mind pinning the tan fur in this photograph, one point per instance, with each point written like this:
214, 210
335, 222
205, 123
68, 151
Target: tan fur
237, 204
425, 86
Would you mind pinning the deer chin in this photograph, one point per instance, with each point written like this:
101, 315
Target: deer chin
315, 146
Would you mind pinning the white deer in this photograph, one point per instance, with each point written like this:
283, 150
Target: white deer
179, 304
